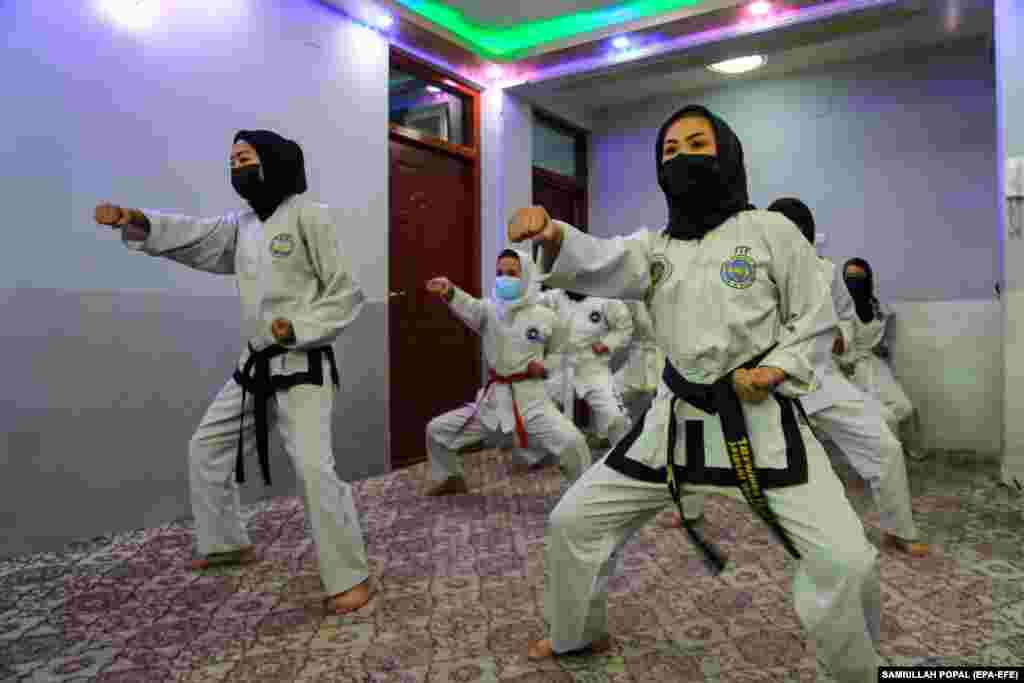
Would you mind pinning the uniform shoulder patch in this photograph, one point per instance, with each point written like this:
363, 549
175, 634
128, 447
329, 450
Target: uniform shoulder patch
282, 245
740, 270
595, 317
533, 334
661, 270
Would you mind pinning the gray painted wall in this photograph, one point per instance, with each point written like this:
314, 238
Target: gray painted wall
895, 156
114, 356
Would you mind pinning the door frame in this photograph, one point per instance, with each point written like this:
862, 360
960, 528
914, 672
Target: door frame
452, 82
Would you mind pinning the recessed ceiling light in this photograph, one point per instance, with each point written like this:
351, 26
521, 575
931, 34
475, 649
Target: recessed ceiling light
760, 8
739, 65
621, 43
132, 14
385, 21
433, 89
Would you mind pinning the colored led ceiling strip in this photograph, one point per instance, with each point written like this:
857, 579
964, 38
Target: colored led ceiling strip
512, 42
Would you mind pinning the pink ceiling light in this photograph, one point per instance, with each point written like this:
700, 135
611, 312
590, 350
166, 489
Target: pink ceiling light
760, 8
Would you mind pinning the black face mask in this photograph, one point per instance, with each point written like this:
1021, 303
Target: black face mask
860, 291
280, 174
702, 191
693, 178
247, 181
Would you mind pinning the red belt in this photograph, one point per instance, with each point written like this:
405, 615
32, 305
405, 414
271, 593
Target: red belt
495, 378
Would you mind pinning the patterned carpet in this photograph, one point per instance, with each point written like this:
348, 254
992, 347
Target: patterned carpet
459, 598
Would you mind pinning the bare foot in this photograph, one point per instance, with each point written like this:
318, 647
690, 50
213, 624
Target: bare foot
350, 600
912, 548
246, 555
541, 649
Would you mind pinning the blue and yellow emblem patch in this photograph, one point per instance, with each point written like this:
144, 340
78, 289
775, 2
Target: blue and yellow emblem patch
282, 245
740, 271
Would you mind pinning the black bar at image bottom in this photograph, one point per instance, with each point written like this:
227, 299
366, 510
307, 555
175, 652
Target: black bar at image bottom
951, 673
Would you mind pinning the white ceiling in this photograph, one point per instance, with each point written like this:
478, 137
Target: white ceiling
904, 26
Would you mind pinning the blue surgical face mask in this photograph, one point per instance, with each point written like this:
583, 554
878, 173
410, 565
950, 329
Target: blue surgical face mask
508, 288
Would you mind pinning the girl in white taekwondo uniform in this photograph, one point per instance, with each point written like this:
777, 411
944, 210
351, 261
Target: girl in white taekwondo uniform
863, 353
853, 421
297, 296
598, 328
516, 333
738, 304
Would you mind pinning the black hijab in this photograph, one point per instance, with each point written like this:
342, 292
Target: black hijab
284, 169
796, 211
690, 220
862, 290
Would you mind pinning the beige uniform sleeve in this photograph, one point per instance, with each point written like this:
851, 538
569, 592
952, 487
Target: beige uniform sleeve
805, 307
206, 244
470, 310
341, 298
615, 268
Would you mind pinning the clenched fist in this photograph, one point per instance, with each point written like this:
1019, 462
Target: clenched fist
133, 223
440, 286
600, 348
282, 330
532, 222
109, 214
754, 386
745, 389
839, 346
536, 370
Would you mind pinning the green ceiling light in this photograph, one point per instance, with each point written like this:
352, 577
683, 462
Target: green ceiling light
513, 42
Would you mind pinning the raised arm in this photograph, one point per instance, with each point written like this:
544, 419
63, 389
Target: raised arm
341, 298
206, 244
470, 310
615, 268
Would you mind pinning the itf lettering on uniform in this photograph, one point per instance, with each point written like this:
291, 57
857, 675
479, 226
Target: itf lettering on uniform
951, 673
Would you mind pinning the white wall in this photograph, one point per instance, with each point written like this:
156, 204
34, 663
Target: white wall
145, 117
895, 157
1009, 27
506, 172
103, 388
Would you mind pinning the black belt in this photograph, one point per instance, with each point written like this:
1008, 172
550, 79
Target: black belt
720, 398
255, 378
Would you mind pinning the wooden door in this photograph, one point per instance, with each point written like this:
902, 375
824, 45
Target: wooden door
564, 198
434, 358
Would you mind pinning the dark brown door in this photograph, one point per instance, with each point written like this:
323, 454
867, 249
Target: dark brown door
564, 198
434, 358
